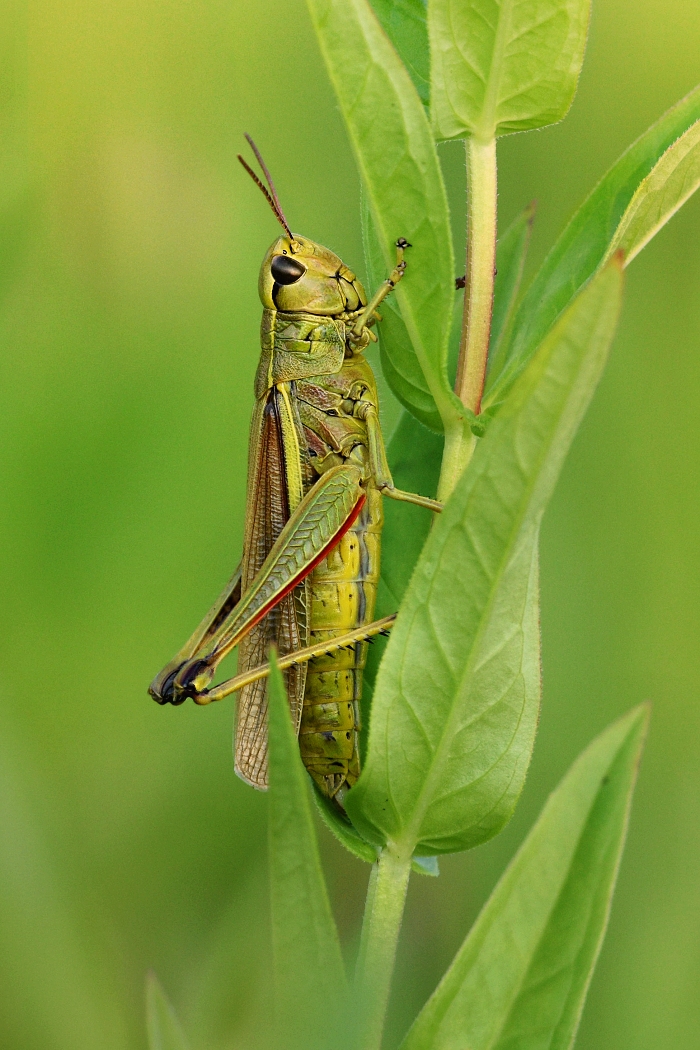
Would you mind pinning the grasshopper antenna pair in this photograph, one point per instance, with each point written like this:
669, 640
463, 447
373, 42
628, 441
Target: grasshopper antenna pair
269, 194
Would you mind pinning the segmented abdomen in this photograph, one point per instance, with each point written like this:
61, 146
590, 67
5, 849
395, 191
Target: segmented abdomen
343, 593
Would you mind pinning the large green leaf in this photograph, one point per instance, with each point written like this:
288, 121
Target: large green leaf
503, 65
308, 967
164, 1029
659, 196
405, 22
400, 172
585, 243
521, 977
457, 694
399, 364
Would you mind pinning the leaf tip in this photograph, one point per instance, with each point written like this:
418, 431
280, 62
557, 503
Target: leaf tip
643, 712
617, 259
636, 723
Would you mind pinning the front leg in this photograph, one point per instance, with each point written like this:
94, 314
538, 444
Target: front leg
378, 462
367, 317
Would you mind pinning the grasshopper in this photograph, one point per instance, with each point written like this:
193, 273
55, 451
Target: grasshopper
317, 471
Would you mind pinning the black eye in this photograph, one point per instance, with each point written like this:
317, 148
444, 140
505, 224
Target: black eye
285, 270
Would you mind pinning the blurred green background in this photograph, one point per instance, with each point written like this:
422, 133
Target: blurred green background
130, 242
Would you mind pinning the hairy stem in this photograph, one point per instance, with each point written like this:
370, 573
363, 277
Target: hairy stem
459, 445
481, 260
386, 898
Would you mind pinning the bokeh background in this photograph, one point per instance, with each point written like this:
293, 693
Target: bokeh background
130, 241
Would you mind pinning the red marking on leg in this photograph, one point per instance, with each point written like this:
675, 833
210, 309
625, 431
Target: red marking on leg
345, 527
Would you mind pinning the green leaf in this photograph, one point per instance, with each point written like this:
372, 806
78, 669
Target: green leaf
660, 195
405, 23
399, 363
520, 978
503, 65
400, 172
586, 242
510, 259
308, 967
164, 1030
355, 844
457, 695
343, 830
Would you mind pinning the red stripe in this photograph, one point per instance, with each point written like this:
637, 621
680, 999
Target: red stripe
345, 527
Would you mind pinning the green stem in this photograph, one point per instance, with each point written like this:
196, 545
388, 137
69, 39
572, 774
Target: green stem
386, 898
481, 261
459, 445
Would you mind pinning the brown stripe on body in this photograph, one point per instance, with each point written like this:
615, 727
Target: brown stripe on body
285, 625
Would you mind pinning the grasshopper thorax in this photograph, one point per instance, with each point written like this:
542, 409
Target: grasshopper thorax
298, 275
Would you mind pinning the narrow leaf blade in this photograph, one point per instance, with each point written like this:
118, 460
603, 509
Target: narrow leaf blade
406, 24
457, 694
667, 187
399, 364
400, 171
510, 65
521, 977
345, 833
585, 243
308, 967
164, 1029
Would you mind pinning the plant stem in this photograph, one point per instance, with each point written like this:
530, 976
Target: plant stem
386, 897
459, 445
481, 259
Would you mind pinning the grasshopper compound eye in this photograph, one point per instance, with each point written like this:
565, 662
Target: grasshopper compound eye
285, 270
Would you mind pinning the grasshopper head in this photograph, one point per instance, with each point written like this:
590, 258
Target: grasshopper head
299, 275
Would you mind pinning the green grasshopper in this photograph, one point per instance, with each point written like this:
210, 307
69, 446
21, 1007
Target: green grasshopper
317, 471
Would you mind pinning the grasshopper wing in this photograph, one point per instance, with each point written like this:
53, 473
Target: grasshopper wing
286, 625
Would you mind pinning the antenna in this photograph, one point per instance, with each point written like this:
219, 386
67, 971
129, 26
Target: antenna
271, 194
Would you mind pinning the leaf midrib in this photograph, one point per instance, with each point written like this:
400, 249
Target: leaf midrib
488, 116
442, 750
615, 844
412, 829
